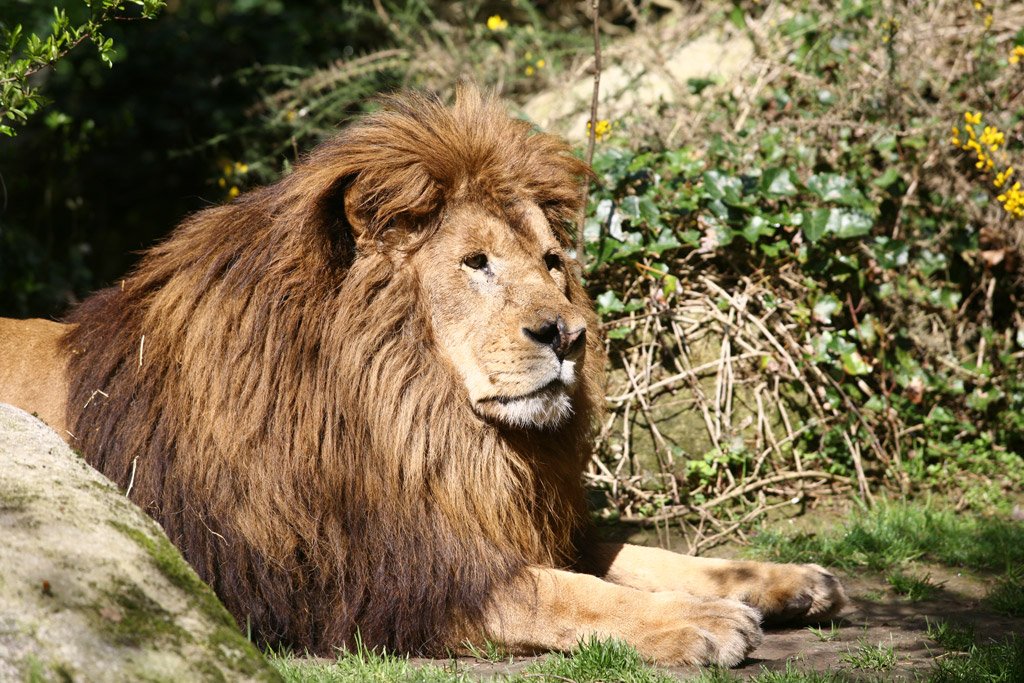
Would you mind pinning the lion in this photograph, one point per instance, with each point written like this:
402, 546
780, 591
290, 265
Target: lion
361, 401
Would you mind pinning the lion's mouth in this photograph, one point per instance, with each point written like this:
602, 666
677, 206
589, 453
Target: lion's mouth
555, 386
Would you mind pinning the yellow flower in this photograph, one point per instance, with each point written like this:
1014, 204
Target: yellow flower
1002, 177
603, 129
1013, 201
979, 5
227, 168
541, 63
1016, 55
241, 168
972, 118
233, 192
496, 23
992, 137
529, 71
222, 182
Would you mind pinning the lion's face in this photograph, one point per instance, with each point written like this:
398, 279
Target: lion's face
499, 300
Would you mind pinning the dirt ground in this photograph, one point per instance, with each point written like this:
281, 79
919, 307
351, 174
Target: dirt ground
877, 616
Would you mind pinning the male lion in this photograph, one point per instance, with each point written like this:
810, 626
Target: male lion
361, 399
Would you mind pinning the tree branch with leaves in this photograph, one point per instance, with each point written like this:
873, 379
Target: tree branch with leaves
23, 55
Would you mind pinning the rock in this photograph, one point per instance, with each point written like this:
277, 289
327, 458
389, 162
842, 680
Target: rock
640, 73
90, 588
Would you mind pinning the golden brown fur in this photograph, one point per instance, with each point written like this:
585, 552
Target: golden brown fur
346, 422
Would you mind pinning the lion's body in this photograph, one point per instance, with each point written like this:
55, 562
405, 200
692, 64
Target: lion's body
32, 369
344, 434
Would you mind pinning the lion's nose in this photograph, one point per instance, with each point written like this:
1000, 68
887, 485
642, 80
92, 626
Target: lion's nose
556, 334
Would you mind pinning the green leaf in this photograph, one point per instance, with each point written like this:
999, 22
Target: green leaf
666, 240
833, 187
825, 307
630, 206
890, 176
756, 228
609, 302
854, 364
847, 224
778, 182
813, 224
719, 185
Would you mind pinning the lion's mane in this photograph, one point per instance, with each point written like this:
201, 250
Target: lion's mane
267, 388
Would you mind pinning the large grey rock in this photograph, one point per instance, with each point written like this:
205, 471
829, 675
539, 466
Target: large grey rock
90, 588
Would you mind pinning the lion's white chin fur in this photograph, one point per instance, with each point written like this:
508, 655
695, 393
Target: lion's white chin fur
544, 409
535, 411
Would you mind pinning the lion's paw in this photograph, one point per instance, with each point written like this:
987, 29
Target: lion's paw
703, 632
802, 592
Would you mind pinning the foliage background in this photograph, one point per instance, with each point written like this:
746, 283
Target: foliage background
808, 285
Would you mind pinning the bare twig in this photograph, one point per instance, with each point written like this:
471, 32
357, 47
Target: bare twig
581, 253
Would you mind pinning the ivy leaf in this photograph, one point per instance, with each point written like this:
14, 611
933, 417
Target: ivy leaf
833, 187
609, 302
824, 308
890, 176
778, 182
854, 364
847, 224
813, 224
756, 228
719, 185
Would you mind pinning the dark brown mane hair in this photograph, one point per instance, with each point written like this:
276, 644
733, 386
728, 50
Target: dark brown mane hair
266, 385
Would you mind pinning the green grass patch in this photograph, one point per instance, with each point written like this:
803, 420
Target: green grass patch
363, 665
912, 588
1007, 596
869, 657
966, 660
593, 661
488, 652
891, 534
790, 675
951, 636
825, 636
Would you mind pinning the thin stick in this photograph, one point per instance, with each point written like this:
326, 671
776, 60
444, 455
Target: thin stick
673, 512
581, 254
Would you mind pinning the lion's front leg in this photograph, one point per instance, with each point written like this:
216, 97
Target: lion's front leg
550, 609
783, 592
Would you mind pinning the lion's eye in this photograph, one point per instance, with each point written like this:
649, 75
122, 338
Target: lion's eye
553, 261
476, 261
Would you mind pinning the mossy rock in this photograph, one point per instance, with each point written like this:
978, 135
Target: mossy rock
92, 589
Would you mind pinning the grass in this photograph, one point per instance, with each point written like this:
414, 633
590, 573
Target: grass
951, 636
593, 661
488, 652
995, 661
913, 588
1007, 596
790, 675
891, 534
871, 657
825, 636
364, 665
